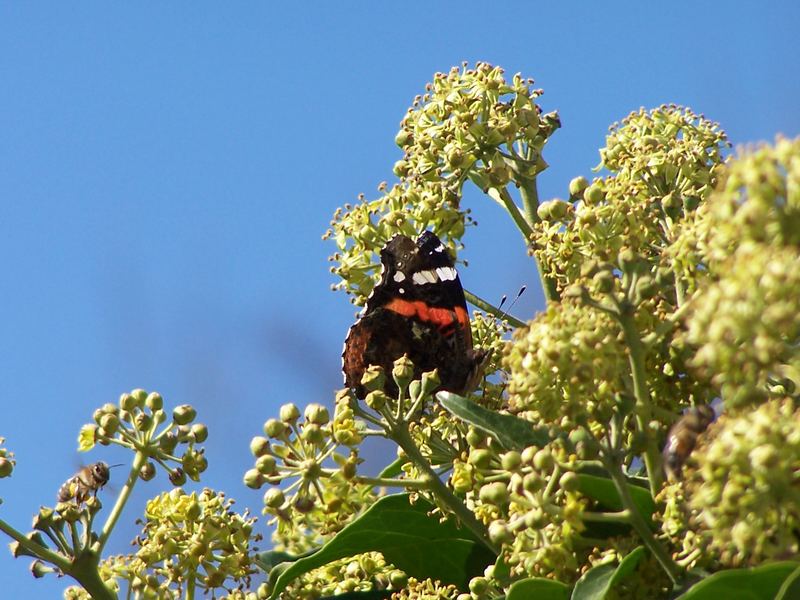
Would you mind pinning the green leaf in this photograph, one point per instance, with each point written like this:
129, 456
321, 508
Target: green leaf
599, 580
756, 583
539, 588
420, 545
603, 491
394, 468
511, 432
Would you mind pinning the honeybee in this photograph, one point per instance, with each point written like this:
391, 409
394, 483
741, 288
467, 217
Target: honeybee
682, 438
87, 481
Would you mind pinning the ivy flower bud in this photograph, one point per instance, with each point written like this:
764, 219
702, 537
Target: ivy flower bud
148, 471
274, 498
373, 378
577, 185
376, 400
403, 371
200, 432
259, 446
184, 414
317, 414
253, 479
289, 413
177, 476
276, 429
154, 401
6, 467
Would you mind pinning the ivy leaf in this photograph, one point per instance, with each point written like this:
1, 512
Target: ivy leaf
602, 490
756, 583
598, 581
420, 545
394, 468
539, 588
511, 432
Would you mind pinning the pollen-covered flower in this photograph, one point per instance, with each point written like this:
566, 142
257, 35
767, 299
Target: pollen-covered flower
192, 539
426, 589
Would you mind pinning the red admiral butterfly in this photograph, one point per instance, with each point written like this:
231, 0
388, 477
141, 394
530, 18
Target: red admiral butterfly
418, 309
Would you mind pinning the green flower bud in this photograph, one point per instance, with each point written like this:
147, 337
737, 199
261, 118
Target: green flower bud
304, 504
142, 422
110, 423
313, 434
499, 533
543, 460
6, 467
430, 382
194, 510
39, 569
577, 186
373, 378
289, 413
148, 471
177, 476
511, 460
646, 287
274, 498
154, 401
276, 429
184, 414
168, 442
259, 446
535, 518
593, 195
478, 585
317, 414
476, 438
376, 400
140, 396
200, 432
403, 138
480, 458
494, 493
403, 371
127, 402
266, 464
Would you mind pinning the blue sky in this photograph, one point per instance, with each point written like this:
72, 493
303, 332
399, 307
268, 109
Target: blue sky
167, 171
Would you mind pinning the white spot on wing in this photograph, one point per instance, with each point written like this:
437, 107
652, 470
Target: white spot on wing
423, 277
446, 273
399, 276
439, 248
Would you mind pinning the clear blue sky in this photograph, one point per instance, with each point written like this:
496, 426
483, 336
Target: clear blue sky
167, 170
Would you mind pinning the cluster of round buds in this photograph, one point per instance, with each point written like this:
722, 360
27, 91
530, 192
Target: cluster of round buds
360, 573
140, 422
302, 452
744, 490
192, 540
746, 325
529, 499
7, 461
569, 362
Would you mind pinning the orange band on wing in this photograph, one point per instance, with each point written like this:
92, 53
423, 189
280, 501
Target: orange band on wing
441, 317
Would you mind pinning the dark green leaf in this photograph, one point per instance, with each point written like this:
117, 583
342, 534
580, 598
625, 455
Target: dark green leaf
790, 588
539, 588
394, 468
599, 580
603, 491
756, 583
271, 558
408, 538
511, 432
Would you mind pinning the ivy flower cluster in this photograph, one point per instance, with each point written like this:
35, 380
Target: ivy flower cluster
300, 452
529, 501
471, 124
742, 490
139, 422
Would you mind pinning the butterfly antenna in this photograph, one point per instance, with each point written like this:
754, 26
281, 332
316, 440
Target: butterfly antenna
510, 306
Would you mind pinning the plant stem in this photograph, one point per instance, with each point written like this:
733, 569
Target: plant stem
122, 499
638, 523
84, 570
399, 433
33, 548
492, 310
530, 203
623, 516
414, 484
636, 356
